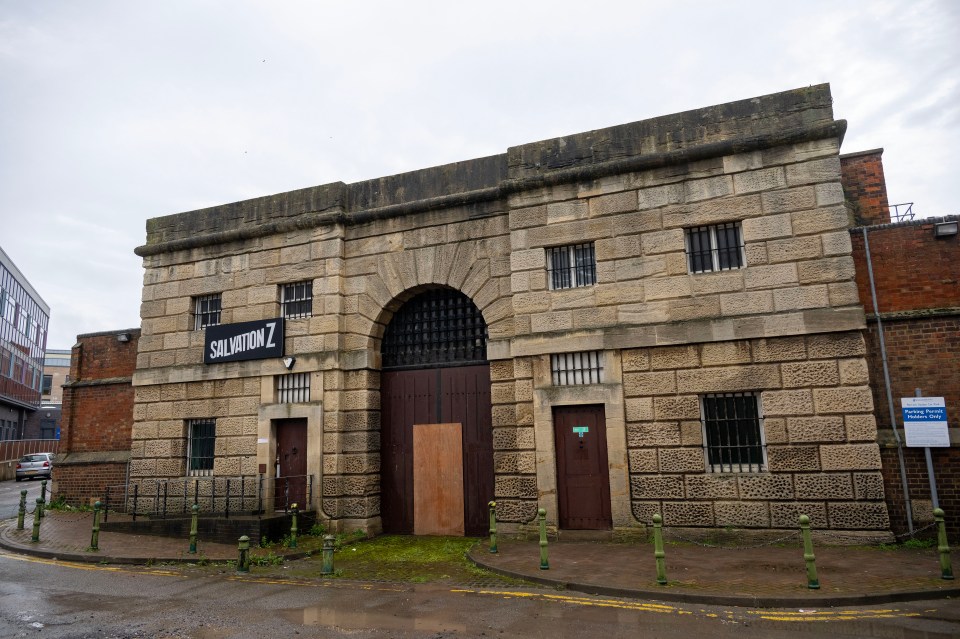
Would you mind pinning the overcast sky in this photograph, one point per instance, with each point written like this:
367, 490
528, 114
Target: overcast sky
115, 112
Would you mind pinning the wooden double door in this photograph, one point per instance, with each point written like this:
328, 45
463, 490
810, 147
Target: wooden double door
453, 395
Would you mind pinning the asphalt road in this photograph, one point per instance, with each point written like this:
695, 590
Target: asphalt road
43, 598
10, 496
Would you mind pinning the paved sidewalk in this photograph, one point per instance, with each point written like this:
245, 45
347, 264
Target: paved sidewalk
765, 577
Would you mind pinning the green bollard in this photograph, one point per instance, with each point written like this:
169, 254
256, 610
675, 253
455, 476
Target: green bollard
327, 567
36, 521
243, 563
43, 498
195, 509
658, 552
95, 535
946, 570
544, 564
23, 509
293, 528
493, 526
812, 582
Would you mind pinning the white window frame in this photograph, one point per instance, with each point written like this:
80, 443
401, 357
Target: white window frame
202, 315
714, 250
710, 450
571, 266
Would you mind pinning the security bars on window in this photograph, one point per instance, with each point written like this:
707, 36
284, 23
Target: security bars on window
732, 433
570, 369
206, 311
293, 388
571, 266
714, 248
296, 300
200, 442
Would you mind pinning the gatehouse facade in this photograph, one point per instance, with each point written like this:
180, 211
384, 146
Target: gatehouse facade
657, 317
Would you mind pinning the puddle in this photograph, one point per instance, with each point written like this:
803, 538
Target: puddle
354, 619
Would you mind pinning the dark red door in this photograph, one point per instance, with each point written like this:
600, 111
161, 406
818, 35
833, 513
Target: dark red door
583, 478
291, 487
435, 396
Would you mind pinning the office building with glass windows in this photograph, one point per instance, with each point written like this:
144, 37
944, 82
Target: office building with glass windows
23, 338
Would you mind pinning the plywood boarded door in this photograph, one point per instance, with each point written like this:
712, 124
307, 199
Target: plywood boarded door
291, 463
438, 479
583, 478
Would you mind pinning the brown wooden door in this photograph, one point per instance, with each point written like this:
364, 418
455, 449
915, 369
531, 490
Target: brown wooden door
434, 396
583, 478
291, 486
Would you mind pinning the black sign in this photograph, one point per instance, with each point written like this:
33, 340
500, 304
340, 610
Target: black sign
259, 339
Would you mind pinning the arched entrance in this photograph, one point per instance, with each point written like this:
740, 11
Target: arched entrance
435, 371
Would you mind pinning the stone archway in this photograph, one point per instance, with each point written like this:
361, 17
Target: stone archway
435, 371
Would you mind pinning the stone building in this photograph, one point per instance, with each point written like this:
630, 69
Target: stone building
660, 316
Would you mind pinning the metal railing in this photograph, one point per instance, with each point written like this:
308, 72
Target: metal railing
13, 449
901, 212
218, 496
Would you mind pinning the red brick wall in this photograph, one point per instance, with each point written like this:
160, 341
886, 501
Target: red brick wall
912, 268
865, 187
98, 402
918, 293
81, 483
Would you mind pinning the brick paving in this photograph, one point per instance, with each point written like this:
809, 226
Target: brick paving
764, 576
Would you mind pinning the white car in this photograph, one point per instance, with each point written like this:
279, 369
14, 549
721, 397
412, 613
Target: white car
35, 465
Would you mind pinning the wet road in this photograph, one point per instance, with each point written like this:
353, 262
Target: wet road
42, 598
10, 496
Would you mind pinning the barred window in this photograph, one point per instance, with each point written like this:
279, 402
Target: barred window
200, 447
715, 248
571, 266
296, 299
206, 311
570, 369
732, 432
293, 388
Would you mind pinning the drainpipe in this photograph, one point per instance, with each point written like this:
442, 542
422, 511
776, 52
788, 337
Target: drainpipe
886, 382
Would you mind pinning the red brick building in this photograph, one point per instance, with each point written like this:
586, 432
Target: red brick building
97, 416
917, 280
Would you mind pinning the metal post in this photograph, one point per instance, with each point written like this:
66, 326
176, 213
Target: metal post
196, 491
293, 528
542, 515
493, 526
95, 535
193, 529
327, 566
136, 493
934, 498
946, 570
43, 497
23, 509
812, 582
184, 509
243, 562
36, 520
106, 503
658, 552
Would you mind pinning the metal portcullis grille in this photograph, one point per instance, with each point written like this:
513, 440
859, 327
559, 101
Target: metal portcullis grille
438, 327
714, 248
569, 369
293, 388
571, 266
732, 434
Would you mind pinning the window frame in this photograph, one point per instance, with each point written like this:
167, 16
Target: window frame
306, 300
201, 314
200, 462
580, 368
571, 266
292, 388
753, 457
696, 256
